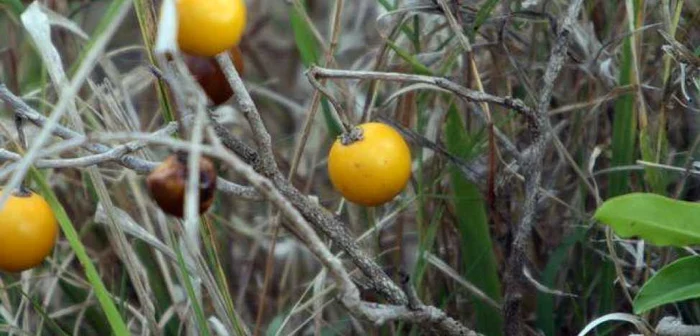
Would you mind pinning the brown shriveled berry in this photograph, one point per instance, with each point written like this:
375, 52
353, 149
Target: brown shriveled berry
211, 78
167, 184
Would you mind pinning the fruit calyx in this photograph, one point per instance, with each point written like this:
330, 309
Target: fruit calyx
354, 134
23, 192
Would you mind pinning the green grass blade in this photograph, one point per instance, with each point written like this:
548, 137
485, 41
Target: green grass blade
141, 7
310, 54
417, 66
623, 152
209, 238
483, 14
304, 38
55, 328
110, 309
624, 128
546, 313
477, 249
198, 311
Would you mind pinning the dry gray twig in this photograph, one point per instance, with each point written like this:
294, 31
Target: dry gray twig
137, 165
443, 83
539, 125
320, 217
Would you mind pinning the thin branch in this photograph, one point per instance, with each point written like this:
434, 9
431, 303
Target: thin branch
139, 166
429, 317
532, 170
440, 82
339, 114
66, 98
113, 154
296, 158
245, 104
320, 217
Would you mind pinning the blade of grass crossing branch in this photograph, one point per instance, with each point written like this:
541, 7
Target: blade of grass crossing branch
477, 250
209, 239
417, 66
195, 304
144, 14
116, 322
310, 54
51, 323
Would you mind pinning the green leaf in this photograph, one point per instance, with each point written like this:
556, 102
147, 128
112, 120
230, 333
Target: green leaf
675, 282
484, 13
304, 38
657, 219
480, 266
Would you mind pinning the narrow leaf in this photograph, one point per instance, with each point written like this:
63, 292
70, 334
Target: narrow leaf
480, 266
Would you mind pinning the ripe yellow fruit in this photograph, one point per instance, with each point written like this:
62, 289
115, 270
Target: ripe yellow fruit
373, 170
28, 231
208, 27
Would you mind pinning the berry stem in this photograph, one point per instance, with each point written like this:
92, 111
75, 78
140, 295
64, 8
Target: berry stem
23, 190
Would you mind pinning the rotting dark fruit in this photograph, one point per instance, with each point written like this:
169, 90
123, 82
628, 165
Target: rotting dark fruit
211, 78
167, 182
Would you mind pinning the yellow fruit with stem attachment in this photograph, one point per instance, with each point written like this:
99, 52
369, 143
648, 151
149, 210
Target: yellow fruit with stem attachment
28, 231
208, 27
370, 165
